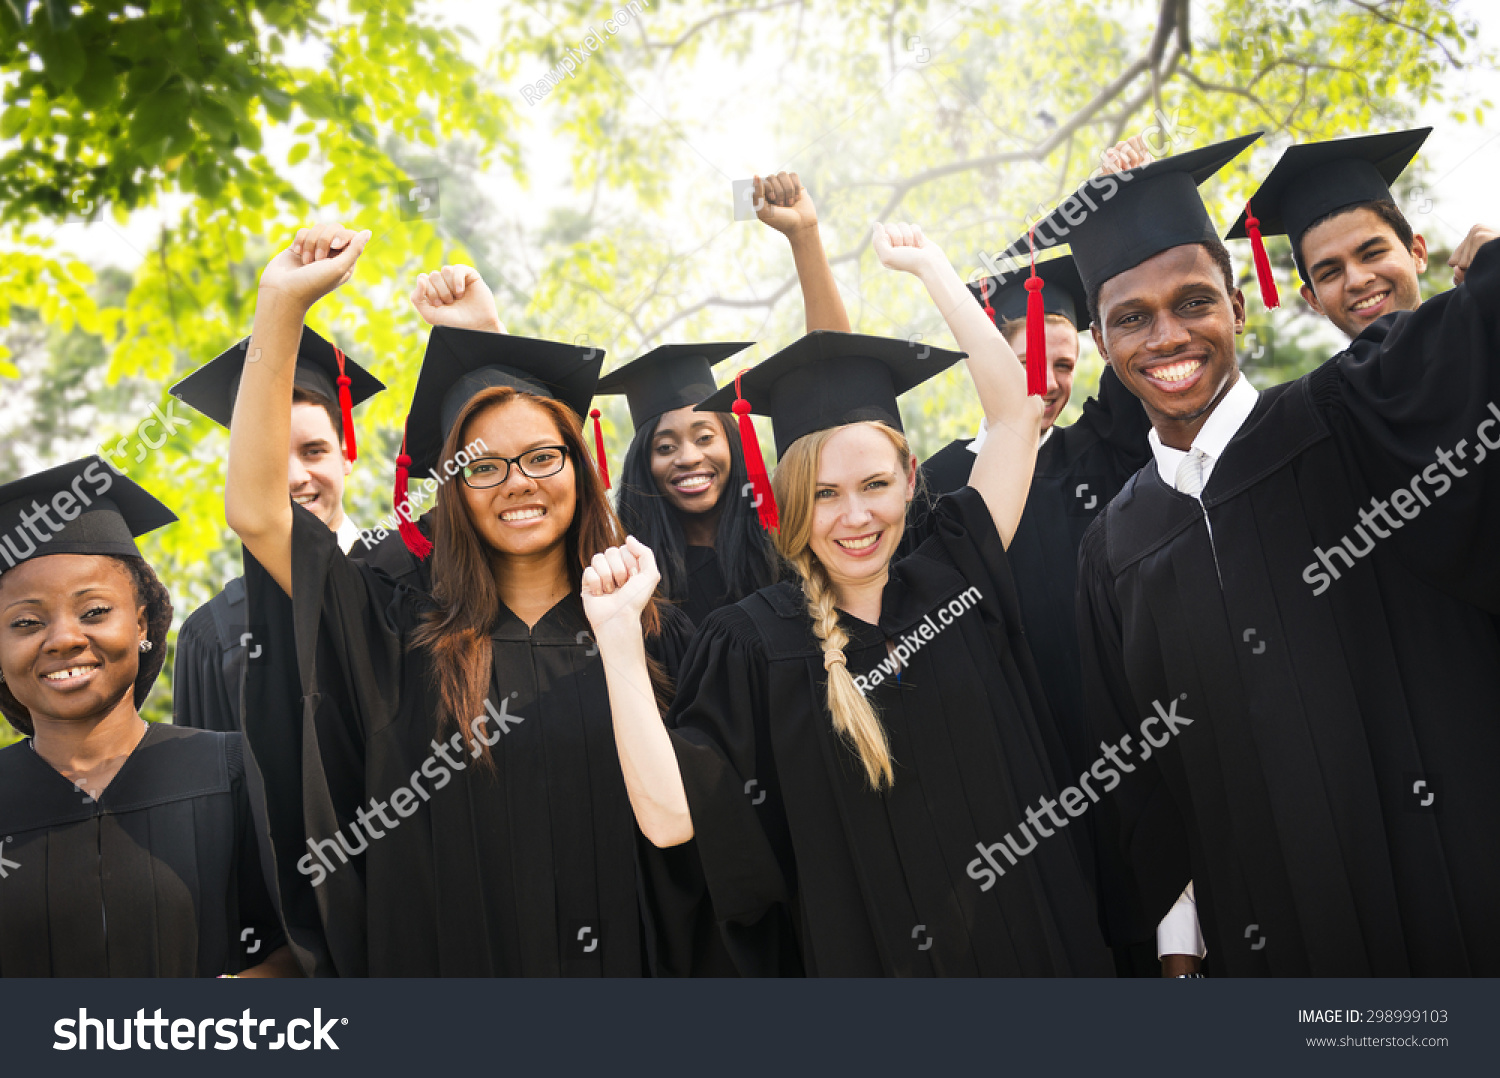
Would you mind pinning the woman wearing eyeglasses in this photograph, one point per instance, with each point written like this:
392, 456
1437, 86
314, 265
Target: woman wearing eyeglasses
462, 812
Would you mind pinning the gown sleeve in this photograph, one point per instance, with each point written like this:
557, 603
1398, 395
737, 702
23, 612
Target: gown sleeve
200, 699
257, 912
1141, 853
1416, 398
719, 732
327, 673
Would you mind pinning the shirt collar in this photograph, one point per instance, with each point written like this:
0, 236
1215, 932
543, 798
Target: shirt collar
348, 534
1223, 423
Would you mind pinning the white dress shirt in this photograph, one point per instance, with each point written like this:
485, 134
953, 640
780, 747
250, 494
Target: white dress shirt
1179, 931
348, 533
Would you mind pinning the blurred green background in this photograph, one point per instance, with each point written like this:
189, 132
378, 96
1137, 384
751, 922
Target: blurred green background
153, 157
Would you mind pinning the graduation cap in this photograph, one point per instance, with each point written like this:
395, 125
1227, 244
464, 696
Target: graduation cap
1061, 292
1316, 179
823, 380
461, 362
84, 507
322, 368
667, 378
1115, 222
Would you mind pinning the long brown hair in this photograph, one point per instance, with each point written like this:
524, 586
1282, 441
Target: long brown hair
467, 598
795, 485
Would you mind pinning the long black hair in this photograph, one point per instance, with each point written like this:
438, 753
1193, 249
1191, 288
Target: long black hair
747, 559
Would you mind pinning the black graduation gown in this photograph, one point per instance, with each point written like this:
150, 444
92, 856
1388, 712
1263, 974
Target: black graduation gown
1334, 798
213, 644
1078, 470
530, 870
160, 877
706, 587
795, 844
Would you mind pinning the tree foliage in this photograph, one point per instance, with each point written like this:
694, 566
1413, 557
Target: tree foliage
231, 124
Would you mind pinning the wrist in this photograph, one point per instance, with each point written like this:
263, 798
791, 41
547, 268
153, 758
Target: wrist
273, 300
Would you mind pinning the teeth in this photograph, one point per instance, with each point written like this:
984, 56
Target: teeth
69, 674
303, 499
523, 514
1372, 301
694, 483
1176, 372
858, 544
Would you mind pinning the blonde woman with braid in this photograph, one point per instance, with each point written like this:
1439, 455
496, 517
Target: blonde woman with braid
863, 753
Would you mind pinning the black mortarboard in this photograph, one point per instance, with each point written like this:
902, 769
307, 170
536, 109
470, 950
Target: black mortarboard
1115, 222
211, 388
667, 378
85, 507
1004, 299
823, 380
827, 379
1317, 178
461, 362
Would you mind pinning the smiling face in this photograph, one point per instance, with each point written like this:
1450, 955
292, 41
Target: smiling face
1168, 328
690, 459
70, 635
1062, 351
317, 465
522, 517
1360, 270
859, 503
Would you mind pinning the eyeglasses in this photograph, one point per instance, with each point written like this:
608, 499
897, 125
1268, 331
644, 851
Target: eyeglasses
536, 463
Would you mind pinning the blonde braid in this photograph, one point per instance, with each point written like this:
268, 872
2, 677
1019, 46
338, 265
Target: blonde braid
853, 717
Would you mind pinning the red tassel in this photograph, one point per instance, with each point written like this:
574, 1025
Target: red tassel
1036, 333
599, 448
755, 465
346, 407
984, 298
1269, 297
411, 535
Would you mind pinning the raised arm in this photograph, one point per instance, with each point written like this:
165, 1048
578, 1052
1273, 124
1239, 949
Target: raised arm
783, 203
617, 585
1002, 471
255, 494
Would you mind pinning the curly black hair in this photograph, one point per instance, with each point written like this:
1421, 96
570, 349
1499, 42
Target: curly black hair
151, 593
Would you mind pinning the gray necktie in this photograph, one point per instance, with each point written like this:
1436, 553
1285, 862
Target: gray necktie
1190, 472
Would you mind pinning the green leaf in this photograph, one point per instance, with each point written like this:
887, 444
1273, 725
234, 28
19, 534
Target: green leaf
63, 60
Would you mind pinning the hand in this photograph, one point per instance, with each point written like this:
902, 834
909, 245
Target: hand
619, 581
1463, 254
320, 259
783, 203
1123, 156
456, 296
904, 247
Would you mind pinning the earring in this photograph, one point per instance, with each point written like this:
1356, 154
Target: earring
146, 645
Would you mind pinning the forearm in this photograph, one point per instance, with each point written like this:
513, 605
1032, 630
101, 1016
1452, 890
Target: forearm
999, 377
653, 779
255, 493
821, 302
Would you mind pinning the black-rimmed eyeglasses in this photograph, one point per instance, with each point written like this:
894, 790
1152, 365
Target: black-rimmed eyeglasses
536, 463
